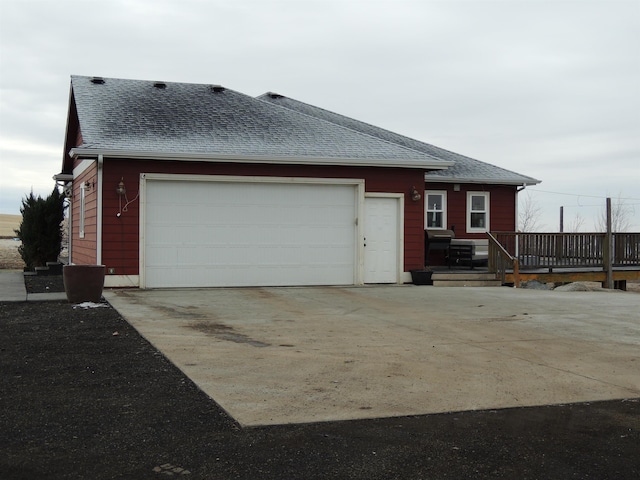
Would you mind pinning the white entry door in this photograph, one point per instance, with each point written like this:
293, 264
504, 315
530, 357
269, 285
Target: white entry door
382, 233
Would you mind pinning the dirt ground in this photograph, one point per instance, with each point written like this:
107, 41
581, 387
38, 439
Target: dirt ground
83, 395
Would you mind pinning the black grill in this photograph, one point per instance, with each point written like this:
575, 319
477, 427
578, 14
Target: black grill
437, 240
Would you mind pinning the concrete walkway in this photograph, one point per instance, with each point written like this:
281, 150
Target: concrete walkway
296, 355
12, 289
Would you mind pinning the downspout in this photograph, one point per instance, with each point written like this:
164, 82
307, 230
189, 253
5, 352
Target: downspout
518, 190
70, 229
517, 246
99, 212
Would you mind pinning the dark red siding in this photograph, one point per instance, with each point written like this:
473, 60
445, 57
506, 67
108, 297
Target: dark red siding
502, 213
502, 210
84, 250
120, 248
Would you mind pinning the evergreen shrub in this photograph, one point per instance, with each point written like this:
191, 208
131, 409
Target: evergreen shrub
41, 228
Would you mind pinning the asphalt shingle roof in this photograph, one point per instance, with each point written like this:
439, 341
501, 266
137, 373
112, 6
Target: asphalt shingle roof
183, 118
465, 169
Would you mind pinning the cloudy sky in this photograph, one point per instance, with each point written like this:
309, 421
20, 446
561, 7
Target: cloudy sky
549, 89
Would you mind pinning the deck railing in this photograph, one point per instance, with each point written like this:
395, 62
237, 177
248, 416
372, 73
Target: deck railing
568, 250
626, 249
500, 261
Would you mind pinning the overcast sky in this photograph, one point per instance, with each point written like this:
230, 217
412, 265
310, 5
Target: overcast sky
549, 89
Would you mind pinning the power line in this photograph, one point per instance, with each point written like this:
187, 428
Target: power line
580, 205
583, 195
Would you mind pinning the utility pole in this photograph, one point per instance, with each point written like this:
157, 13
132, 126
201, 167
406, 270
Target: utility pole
608, 251
561, 219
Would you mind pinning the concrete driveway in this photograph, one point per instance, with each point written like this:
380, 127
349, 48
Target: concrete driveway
295, 355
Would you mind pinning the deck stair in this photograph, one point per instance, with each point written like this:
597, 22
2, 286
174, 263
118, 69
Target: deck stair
449, 278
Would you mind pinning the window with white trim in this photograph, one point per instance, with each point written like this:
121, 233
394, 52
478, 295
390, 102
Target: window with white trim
82, 211
435, 209
478, 212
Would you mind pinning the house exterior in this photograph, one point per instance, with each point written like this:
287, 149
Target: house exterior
190, 185
469, 198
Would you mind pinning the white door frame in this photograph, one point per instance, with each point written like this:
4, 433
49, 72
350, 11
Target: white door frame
399, 230
356, 182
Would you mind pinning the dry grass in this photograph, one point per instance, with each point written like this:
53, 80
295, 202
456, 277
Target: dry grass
9, 257
9, 223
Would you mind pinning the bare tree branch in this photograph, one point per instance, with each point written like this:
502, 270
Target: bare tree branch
621, 214
577, 223
529, 214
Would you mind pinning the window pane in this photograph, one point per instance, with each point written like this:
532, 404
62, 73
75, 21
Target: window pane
434, 220
435, 209
477, 220
434, 202
477, 203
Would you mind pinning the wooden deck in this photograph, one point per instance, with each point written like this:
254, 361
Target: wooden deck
566, 275
565, 257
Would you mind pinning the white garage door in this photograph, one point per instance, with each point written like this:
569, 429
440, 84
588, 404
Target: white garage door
203, 233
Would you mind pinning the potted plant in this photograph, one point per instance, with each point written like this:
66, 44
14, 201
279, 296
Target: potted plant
83, 283
422, 276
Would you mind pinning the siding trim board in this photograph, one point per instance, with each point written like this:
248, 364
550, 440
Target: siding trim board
80, 152
82, 166
99, 212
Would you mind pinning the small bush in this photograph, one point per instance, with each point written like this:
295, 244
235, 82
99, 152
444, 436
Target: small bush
40, 229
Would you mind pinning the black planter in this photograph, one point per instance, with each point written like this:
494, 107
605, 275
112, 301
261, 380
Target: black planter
421, 277
83, 283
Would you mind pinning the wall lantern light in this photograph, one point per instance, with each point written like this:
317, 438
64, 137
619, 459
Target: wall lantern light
415, 195
120, 190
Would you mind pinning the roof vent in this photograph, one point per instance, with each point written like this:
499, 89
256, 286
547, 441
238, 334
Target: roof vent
217, 88
97, 80
160, 85
275, 95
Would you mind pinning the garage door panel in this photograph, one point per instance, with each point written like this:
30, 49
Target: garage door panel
264, 275
242, 234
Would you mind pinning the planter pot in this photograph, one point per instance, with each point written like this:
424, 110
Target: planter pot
421, 277
83, 283
55, 268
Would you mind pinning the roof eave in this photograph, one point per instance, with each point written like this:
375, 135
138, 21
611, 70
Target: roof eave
494, 181
208, 157
63, 177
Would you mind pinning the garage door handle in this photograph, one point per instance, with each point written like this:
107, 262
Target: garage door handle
365, 241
